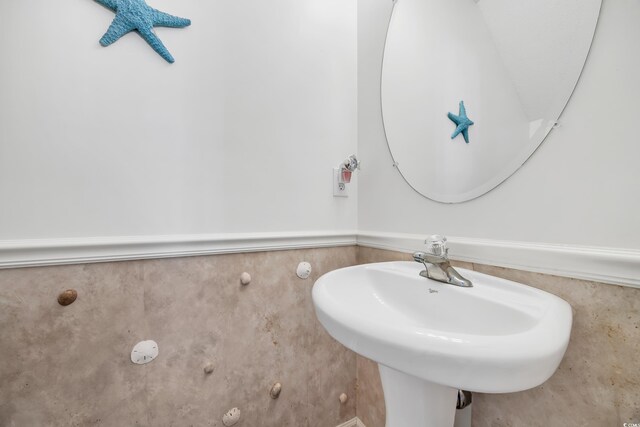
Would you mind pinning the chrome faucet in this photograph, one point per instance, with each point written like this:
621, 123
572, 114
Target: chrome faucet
437, 265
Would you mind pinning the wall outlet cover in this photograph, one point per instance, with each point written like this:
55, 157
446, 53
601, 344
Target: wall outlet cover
340, 189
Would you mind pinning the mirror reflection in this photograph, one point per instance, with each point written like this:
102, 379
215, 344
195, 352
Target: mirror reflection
507, 67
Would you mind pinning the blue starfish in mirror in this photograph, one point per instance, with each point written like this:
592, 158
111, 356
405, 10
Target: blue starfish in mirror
137, 15
462, 122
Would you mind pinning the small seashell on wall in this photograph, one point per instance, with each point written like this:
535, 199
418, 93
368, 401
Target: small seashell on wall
245, 278
343, 398
67, 297
231, 417
275, 390
209, 368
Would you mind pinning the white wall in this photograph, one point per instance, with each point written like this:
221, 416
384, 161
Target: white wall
239, 135
581, 187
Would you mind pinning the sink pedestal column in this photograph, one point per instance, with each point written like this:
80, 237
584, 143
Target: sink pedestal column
411, 401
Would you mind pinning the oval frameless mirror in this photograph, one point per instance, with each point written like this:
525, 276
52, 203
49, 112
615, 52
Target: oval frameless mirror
513, 63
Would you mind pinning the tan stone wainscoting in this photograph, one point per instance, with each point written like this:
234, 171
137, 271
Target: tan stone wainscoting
70, 365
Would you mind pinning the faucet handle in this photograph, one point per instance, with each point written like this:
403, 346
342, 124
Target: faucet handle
437, 245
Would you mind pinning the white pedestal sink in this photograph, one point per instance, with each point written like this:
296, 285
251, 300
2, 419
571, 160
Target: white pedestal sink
431, 338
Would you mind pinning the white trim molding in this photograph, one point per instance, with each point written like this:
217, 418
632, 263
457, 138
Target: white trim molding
355, 422
606, 265
31, 253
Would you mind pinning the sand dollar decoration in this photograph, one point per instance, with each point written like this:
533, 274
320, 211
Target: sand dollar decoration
231, 417
67, 297
304, 270
144, 352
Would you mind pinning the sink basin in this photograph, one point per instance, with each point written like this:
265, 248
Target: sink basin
431, 338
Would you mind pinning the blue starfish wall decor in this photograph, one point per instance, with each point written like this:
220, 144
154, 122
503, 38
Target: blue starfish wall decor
462, 122
137, 15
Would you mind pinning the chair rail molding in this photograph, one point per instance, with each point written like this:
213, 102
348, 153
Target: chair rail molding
598, 264
31, 253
